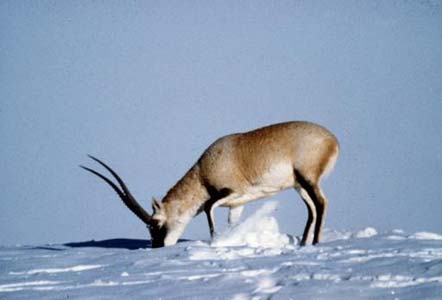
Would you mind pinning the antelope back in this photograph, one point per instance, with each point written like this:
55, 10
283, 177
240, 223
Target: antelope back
244, 159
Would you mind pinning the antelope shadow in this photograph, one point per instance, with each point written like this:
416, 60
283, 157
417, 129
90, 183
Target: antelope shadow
130, 244
119, 243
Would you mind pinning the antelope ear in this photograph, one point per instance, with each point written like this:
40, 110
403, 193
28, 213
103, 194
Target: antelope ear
156, 205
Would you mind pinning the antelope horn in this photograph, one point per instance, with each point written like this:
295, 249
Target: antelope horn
124, 194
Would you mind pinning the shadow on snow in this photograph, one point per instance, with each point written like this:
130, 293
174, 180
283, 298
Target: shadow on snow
130, 244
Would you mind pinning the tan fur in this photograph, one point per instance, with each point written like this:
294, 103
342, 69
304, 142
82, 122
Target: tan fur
253, 165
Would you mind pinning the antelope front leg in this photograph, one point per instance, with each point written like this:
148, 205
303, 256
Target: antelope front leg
210, 219
210, 206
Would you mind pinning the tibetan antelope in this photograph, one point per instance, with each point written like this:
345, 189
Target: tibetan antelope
237, 169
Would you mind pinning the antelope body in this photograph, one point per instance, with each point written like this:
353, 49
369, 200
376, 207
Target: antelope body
240, 168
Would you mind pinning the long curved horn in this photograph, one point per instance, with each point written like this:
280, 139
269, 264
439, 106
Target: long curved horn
124, 194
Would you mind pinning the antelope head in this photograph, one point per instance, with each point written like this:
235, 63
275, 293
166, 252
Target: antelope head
156, 223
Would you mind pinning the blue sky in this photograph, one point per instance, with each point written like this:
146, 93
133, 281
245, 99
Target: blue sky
147, 86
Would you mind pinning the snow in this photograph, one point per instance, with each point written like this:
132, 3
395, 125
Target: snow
78, 268
426, 236
366, 233
252, 260
260, 230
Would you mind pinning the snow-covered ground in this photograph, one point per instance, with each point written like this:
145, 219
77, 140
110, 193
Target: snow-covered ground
251, 261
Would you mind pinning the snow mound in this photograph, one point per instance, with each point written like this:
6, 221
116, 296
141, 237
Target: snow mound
366, 233
260, 230
337, 235
426, 236
258, 235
